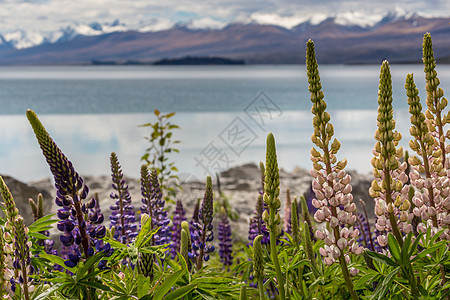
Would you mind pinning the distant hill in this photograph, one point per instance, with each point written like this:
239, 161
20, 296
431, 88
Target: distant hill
198, 61
398, 39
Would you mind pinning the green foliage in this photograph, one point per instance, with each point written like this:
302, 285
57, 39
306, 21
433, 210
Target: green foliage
414, 265
162, 145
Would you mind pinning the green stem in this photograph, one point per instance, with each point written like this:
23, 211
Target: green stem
274, 254
347, 279
25, 281
261, 289
389, 200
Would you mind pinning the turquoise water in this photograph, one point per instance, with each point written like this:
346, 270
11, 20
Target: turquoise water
91, 111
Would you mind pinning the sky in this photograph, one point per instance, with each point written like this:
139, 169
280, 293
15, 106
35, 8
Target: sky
51, 15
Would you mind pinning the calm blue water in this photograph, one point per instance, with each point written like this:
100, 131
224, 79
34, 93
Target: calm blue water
91, 111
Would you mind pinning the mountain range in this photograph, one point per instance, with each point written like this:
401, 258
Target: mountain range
346, 38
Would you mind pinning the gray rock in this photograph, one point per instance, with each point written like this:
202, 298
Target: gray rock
240, 185
21, 192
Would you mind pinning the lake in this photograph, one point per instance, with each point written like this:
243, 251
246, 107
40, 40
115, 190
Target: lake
224, 113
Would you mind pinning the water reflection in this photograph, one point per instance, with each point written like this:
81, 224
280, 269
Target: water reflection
89, 139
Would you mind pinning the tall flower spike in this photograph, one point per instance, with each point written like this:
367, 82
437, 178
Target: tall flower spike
178, 217
22, 260
82, 231
389, 189
145, 260
184, 245
11, 209
271, 199
307, 244
257, 225
258, 264
287, 213
331, 184
429, 199
185, 226
122, 212
154, 206
225, 245
306, 217
3, 284
294, 223
436, 101
202, 234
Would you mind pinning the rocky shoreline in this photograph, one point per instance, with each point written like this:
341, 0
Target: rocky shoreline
240, 185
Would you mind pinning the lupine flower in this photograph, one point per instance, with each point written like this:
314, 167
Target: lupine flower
178, 217
271, 199
82, 231
11, 210
307, 244
22, 260
10, 240
202, 233
287, 213
309, 196
3, 266
294, 223
145, 260
389, 189
153, 205
122, 212
184, 245
306, 216
185, 226
331, 184
257, 225
258, 264
431, 201
225, 245
436, 102
195, 214
365, 237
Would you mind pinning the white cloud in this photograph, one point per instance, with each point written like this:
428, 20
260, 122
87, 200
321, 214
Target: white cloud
358, 18
206, 23
275, 19
47, 17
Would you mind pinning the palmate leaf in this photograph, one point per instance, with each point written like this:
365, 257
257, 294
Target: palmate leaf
385, 285
56, 260
42, 224
394, 248
41, 294
165, 286
382, 258
180, 292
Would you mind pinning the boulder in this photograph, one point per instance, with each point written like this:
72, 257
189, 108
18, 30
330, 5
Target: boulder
21, 192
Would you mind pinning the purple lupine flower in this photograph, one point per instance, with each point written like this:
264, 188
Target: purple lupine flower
178, 217
80, 224
310, 195
22, 260
194, 216
153, 205
287, 213
365, 238
202, 231
225, 245
257, 226
122, 212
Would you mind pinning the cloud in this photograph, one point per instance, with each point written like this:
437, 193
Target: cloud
51, 15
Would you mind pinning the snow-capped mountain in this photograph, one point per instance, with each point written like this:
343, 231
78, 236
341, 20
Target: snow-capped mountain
260, 38
21, 39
